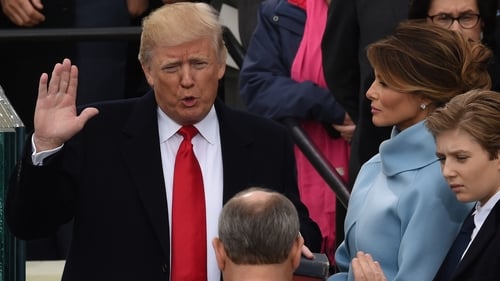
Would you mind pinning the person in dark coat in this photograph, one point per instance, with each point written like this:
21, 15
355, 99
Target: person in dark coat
468, 146
111, 166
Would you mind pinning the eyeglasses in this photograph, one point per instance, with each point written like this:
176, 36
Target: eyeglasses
466, 21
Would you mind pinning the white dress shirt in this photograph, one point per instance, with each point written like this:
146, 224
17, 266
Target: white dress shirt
207, 148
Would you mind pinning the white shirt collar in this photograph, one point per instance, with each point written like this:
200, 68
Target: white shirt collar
168, 127
482, 212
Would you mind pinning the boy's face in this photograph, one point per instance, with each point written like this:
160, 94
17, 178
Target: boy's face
467, 166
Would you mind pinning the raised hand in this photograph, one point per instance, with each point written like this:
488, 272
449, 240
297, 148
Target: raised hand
56, 119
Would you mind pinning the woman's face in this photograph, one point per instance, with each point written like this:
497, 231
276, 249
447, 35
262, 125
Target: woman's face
467, 167
456, 9
392, 108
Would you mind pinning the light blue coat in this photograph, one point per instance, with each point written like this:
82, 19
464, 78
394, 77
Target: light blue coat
401, 210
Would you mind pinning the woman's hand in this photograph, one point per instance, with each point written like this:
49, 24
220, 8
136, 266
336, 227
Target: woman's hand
366, 269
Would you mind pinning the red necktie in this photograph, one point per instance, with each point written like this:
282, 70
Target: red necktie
189, 234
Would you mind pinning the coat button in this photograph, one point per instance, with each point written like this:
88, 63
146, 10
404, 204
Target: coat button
276, 18
164, 267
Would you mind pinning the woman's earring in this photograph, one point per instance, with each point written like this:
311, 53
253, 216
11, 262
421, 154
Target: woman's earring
423, 106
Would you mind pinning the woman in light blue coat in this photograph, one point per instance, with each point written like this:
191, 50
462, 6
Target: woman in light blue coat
401, 210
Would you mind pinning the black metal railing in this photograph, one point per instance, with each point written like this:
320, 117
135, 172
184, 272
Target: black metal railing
318, 160
70, 34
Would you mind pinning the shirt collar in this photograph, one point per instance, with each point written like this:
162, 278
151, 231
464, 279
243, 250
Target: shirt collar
168, 127
482, 212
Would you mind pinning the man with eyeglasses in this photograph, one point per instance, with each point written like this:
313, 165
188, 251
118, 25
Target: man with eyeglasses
475, 19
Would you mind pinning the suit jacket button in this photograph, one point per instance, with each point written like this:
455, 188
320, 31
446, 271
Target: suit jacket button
164, 267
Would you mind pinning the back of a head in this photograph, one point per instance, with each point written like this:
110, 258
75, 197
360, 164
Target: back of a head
432, 61
258, 226
178, 23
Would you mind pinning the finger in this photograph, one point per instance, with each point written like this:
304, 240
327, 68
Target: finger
16, 19
364, 262
371, 263
29, 15
346, 137
14, 13
37, 4
34, 19
306, 252
357, 270
342, 128
379, 272
55, 77
65, 76
338, 128
73, 81
42, 85
86, 114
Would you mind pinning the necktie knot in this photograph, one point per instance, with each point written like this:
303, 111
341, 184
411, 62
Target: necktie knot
188, 131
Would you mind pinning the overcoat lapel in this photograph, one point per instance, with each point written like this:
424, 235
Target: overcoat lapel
482, 240
235, 146
141, 151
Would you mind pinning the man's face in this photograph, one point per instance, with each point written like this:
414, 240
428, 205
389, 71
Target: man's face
185, 79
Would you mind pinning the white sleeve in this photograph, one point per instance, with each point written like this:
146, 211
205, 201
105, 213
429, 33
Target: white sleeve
38, 157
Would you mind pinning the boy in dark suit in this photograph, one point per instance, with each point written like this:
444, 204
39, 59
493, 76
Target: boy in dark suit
468, 145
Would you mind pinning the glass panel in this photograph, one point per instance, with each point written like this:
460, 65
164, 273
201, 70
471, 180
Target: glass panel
12, 253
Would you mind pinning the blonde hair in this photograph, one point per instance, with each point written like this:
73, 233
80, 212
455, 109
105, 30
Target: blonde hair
429, 60
474, 112
178, 23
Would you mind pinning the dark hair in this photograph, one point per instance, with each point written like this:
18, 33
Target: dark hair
487, 9
430, 61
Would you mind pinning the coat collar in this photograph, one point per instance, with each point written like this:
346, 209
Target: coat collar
410, 149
